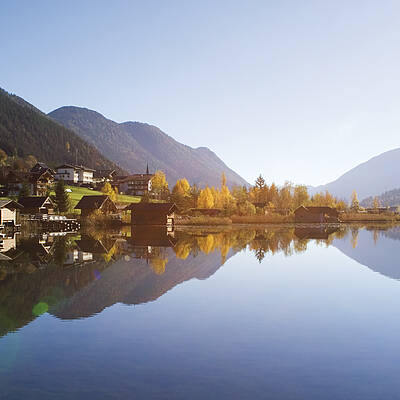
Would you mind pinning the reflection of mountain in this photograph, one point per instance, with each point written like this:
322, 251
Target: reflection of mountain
377, 250
134, 282
75, 278
21, 291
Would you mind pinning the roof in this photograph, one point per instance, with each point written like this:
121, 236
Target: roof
41, 167
82, 167
135, 177
92, 202
34, 201
10, 204
316, 210
103, 173
22, 176
152, 207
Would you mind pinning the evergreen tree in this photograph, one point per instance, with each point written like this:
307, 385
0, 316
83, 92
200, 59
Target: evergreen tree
25, 191
62, 200
260, 182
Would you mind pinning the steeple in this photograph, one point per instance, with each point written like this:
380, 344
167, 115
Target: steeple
147, 169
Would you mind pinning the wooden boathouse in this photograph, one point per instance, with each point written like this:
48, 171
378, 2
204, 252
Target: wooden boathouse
316, 214
152, 213
8, 212
102, 203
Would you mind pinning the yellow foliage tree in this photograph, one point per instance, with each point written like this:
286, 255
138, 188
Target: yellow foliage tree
206, 199
109, 191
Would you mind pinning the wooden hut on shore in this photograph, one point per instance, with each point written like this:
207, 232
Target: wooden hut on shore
37, 205
152, 213
102, 203
316, 214
8, 212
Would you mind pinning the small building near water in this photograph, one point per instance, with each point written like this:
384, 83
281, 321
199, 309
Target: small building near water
152, 213
316, 214
8, 212
37, 205
102, 203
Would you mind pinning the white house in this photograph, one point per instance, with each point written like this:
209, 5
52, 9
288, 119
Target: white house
74, 174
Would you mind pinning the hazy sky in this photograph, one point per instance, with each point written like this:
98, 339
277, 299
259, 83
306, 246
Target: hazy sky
296, 90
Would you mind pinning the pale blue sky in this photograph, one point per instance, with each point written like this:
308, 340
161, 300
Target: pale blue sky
296, 90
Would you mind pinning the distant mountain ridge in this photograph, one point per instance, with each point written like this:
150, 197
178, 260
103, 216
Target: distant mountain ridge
373, 177
25, 130
134, 144
390, 198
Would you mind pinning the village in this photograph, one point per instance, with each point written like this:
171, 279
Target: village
28, 201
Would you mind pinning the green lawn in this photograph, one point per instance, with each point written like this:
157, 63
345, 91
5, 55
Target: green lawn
78, 192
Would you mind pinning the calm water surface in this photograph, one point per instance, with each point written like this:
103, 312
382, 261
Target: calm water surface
258, 313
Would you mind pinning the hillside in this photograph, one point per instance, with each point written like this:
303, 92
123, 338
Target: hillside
133, 144
377, 175
390, 198
25, 130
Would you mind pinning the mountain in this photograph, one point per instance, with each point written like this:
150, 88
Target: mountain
373, 177
25, 130
390, 198
376, 249
134, 144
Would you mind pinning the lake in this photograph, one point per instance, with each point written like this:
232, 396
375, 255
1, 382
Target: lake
302, 312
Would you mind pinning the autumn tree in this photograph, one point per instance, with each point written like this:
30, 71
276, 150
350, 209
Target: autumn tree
3, 157
355, 204
181, 193
30, 161
376, 203
159, 185
109, 191
300, 196
206, 199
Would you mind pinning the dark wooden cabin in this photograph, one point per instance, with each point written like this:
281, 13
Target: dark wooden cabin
152, 213
89, 204
316, 214
37, 205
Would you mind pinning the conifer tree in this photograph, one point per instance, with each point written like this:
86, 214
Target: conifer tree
25, 191
62, 200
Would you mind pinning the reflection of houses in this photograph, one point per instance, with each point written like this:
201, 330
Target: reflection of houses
316, 214
74, 174
8, 212
38, 183
314, 232
37, 205
7, 243
76, 256
135, 185
88, 244
152, 213
101, 203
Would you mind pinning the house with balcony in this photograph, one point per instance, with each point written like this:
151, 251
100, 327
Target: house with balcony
134, 185
74, 174
38, 183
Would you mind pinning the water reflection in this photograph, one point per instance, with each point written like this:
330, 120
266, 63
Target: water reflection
76, 276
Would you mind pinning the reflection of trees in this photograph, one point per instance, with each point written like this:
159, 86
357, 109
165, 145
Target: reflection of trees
354, 237
60, 249
158, 265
